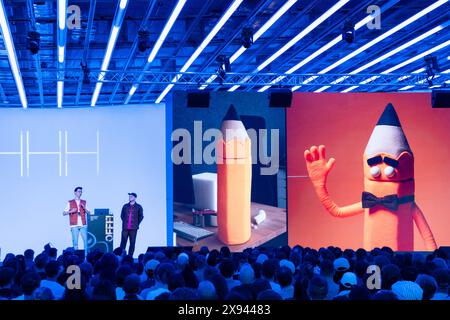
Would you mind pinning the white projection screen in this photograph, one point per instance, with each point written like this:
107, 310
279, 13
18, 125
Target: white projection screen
109, 151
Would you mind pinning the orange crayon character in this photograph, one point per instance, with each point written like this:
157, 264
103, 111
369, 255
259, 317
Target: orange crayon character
234, 180
388, 202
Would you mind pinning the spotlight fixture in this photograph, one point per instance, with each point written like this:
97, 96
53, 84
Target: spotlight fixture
86, 71
224, 67
143, 40
348, 33
432, 65
224, 62
247, 37
33, 42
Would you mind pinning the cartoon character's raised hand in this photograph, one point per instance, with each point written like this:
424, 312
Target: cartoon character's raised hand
317, 165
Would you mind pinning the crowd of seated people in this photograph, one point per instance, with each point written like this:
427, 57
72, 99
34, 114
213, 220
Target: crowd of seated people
282, 273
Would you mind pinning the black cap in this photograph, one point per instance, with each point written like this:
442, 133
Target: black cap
132, 194
231, 114
389, 117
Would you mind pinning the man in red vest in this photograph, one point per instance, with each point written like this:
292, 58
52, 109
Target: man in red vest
77, 210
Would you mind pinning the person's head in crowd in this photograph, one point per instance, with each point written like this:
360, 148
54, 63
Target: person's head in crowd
301, 288
119, 253
29, 282
260, 285
206, 290
307, 270
53, 254
337, 252
360, 268
387, 251
127, 260
261, 258
269, 295
121, 273
199, 262
86, 269
40, 261
246, 274
418, 259
189, 276
10, 261
163, 296
348, 281
359, 293
212, 258
160, 256
348, 254
317, 288
384, 295
360, 254
439, 263
182, 260
442, 277
148, 256
109, 260
221, 286
225, 252
138, 268
381, 260
43, 293
288, 264
390, 274
409, 273
176, 281
6, 278
104, 290
184, 293
407, 290
310, 258
326, 268
29, 257
131, 287
341, 264
108, 274
209, 272
52, 270
150, 268
269, 268
203, 250
284, 276
257, 268
226, 268
428, 285
296, 258
163, 273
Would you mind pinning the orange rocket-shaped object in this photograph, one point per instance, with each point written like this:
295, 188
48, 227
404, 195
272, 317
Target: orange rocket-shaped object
234, 180
388, 201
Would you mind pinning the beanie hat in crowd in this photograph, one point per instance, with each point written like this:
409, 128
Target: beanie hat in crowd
407, 290
206, 290
341, 264
261, 258
151, 265
246, 274
349, 280
439, 263
288, 264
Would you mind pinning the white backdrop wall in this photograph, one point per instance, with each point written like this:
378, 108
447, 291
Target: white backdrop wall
109, 151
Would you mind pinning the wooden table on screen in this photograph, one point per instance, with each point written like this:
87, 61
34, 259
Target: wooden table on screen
273, 226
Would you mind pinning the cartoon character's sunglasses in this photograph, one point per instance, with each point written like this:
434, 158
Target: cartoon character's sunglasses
379, 159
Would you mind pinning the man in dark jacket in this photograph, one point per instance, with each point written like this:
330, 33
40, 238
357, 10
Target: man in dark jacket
131, 215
